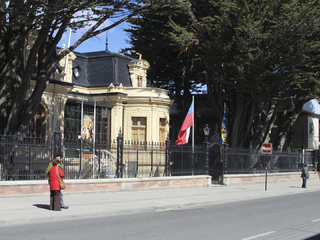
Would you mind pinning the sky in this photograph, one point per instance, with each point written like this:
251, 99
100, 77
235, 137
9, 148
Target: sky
116, 40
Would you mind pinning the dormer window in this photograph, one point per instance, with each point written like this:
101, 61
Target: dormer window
138, 73
76, 71
139, 81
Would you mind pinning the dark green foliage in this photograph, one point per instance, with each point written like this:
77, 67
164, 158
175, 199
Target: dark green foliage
260, 57
172, 67
47, 20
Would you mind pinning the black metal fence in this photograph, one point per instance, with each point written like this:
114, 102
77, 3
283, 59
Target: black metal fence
188, 160
253, 161
23, 158
26, 158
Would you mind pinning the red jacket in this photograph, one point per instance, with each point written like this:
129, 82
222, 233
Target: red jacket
54, 181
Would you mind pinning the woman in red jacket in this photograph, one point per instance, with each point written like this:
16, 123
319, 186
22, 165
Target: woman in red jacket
55, 185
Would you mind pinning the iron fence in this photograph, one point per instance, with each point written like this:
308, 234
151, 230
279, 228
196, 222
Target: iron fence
26, 158
255, 161
188, 160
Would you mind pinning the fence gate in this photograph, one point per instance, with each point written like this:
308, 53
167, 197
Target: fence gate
215, 161
187, 160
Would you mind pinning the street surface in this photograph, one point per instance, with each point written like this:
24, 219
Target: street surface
295, 216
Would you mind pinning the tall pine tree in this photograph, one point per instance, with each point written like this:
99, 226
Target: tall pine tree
261, 58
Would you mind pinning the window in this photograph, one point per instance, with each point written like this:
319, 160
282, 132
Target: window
76, 72
162, 130
138, 130
311, 128
139, 81
72, 121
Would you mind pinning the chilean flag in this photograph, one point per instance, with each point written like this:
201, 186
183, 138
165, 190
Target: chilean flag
184, 133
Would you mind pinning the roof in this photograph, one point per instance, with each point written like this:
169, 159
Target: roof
101, 69
312, 106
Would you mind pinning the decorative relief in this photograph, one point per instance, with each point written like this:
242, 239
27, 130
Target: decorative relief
115, 110
141, 72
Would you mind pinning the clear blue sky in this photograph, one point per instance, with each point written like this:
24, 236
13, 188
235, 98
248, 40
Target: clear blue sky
116, 40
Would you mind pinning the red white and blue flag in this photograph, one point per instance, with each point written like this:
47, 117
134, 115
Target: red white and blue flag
184, 133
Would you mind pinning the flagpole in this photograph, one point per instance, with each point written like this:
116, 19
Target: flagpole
193, 123
94, 136
193, 135
81, 143
67, 57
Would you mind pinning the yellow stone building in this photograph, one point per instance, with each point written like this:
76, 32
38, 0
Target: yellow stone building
92, 98
118, 86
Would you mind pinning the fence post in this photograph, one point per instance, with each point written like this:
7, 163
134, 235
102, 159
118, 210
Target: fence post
225, 159
2, 144
168, 156
251, 158
137, 168
80, 154
119, 154
151, 170
29, 160
207, 157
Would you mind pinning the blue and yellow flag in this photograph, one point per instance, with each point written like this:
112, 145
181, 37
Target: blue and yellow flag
224, 125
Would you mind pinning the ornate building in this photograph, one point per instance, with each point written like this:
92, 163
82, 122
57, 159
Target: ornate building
111, 93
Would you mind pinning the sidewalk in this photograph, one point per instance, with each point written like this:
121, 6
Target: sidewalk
16, 210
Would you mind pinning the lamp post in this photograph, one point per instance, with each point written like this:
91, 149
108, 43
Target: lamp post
206, 132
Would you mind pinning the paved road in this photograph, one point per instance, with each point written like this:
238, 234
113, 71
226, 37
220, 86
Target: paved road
16, 210
288, 217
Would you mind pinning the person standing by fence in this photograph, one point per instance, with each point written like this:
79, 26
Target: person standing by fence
55, 185
305, 175
58, 157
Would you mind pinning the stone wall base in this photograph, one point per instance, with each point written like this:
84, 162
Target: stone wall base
34, 187
243, 179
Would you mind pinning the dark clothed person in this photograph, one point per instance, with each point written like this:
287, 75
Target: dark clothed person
305, 175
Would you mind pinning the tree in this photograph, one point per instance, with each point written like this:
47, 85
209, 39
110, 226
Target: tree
171, 68
49, 20
261, 58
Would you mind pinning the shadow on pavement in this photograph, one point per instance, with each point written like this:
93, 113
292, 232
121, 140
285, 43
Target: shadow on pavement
44, 206
315, 237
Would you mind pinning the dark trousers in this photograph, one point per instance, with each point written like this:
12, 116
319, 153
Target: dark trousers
55, 200
304, 182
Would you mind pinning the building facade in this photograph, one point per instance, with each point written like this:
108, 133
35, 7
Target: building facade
104, 94
90, 100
